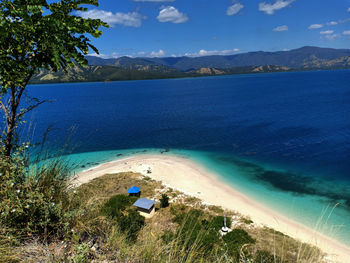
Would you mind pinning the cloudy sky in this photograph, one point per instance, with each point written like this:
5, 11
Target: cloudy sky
208, 27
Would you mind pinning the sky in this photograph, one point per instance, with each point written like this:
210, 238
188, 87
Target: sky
165, 28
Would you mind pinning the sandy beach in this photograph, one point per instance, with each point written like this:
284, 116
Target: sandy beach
193, 179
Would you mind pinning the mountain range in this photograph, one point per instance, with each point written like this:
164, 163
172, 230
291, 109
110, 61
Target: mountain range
305, 57
128, 68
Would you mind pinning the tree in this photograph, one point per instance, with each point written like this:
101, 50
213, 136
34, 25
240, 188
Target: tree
37, 34
164, 201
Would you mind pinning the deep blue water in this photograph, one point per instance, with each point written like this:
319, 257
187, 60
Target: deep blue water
298, 120
290, 132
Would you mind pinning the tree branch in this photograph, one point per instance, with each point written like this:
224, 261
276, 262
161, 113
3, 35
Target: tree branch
3, 107
19, 115
22, 88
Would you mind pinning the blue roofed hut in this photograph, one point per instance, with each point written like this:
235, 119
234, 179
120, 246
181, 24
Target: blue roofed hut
134, 191
145, 207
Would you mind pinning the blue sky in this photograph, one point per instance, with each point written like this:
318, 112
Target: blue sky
206, 27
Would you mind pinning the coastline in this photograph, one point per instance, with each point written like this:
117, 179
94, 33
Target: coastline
193, 179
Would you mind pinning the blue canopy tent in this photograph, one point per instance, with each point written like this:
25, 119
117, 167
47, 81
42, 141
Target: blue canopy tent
134, 190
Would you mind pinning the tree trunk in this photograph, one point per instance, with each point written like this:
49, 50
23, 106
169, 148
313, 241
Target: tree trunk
11, 124
11, 118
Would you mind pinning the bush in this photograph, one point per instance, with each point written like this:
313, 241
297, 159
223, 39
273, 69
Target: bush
263, 256
129, 221
82, 252
235, 240
131, 224
117, 204
33, 202
218, 222
196, 230
164, 201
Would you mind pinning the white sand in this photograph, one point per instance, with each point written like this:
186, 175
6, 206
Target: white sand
193, 179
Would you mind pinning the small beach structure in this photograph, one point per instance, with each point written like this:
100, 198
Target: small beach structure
225, 229
134, 191
145, 207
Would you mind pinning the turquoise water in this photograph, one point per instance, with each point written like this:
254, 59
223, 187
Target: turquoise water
315, 212
281, 138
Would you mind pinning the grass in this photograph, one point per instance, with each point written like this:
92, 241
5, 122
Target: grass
186, 231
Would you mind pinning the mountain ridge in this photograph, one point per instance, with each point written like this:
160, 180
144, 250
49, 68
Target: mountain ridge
128, 68
295, 59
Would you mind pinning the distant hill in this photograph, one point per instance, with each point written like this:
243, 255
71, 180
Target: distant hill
301, 58
137, 72
126, 68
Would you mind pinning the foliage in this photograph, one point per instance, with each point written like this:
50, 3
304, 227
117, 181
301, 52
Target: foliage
218, 222
129, 221
81, 253
195, 229
117, 204
42, 34
193, 238
33, 203
247, 221
263, 256
164, 201
131, 224
235, 240
38, 34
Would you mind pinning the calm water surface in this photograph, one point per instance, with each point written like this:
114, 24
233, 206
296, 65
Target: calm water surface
282, 138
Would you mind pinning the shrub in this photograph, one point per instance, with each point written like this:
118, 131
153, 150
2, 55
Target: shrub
129, 221
168, 236
164, 201
131, 224
235, 240
117, 204
218, 222
82, 252
33, 202
195, 230
263, 256
247, 221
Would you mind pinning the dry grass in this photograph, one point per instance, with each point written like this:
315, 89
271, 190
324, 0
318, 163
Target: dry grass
102, 188
149, 247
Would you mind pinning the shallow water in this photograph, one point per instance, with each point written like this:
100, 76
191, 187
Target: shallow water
281, 138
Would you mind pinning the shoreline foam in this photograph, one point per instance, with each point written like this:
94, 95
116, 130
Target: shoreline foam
193, 179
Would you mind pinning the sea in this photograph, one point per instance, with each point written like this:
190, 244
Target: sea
282, 139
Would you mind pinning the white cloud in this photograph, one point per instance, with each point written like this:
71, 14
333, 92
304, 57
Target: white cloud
271, 8
234, 9
349, 9
159, 53
171, 14
113, 55
280, 28
331, 36
332, 23
162, 53
344, 21
346, 33
315, 26
157, 1
204, 52
133, 19
327, 32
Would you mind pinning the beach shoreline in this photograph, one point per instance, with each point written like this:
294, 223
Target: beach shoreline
193, 179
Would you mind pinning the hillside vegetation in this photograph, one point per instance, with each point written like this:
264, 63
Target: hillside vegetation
127, 68
45, 220
305, 57
112, 73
